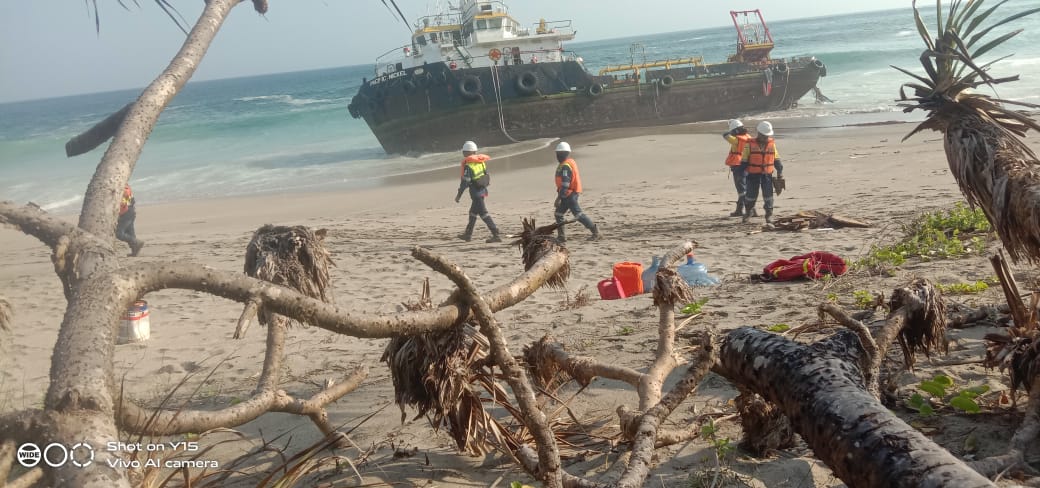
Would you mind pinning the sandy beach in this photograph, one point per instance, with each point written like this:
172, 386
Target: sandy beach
649, 190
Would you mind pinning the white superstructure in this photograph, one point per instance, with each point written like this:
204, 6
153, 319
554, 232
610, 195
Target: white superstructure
478, 34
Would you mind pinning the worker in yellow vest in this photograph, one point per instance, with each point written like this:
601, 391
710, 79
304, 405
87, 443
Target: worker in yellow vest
475, 178
737, 137
125, 225
568, 188
760, 159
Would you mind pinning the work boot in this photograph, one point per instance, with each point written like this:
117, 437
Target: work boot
493, 238
769, 216
135, 247
464, 236
739, 212
595, 233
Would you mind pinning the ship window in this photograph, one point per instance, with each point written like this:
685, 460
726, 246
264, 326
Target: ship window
456, 36
494, 23
481, 24
433, 37
420, 40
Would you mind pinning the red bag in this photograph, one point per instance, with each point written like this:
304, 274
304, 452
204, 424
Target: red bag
813, 266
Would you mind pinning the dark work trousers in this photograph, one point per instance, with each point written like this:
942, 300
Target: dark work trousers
570, 204
478, 208
740, 182
754, 182
125, 226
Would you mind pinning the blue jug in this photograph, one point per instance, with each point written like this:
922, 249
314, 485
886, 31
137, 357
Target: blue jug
650, 276
696, 273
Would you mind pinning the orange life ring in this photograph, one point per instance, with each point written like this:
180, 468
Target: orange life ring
495, 54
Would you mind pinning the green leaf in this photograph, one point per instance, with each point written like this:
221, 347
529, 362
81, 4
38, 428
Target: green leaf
916, 401
964, 403
934, 388
994, 43
975, 391
779, 328
980, 35
921, 29
926, 410
982, 17
516, 484
943, 380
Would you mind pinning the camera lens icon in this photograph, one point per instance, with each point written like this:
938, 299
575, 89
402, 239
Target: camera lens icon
29, 455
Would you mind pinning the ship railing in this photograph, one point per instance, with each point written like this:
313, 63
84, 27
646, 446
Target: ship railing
665, 63
544, 27
390, 60
438, 20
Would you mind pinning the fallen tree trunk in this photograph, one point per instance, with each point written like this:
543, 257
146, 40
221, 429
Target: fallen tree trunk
820, 387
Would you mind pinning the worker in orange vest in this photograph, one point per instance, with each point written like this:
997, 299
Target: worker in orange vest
475, 178
737, 137
125, 226
568, 188
760, 159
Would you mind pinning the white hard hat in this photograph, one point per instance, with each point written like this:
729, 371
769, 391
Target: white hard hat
563, 147
734, 123
469, 146
765, 128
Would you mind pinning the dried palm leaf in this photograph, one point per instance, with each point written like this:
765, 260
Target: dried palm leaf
994, 169
294, 257
1017, 352
1018, 355
670, 288
925, 311
5, 315
535, 243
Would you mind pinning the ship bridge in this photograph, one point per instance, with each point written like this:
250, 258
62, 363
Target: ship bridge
478, 33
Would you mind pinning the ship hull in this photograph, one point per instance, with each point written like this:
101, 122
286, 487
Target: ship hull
438, 118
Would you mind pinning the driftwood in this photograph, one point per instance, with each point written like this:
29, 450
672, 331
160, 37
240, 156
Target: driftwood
814, 219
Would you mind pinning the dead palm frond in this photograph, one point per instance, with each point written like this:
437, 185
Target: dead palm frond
294, 257
447, 376
441, 374
6, 316
1018, 351
925, 327
995, 170
535, 243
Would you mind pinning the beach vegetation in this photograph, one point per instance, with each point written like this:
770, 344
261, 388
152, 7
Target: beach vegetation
955, 232
866, 299
963, 288
779, 328
936, 394
694, 308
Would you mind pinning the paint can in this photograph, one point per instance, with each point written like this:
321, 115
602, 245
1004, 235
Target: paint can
135, 327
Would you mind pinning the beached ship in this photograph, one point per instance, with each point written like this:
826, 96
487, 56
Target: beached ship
476, 73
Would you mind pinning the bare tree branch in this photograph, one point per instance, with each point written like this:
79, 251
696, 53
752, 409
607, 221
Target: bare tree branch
646, 435
548, 453
98, 134
33, 221
582, 368
101, 202
147, 277
665, 361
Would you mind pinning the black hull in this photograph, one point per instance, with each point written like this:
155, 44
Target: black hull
419, 119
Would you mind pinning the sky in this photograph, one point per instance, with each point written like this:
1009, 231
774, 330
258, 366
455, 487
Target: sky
50, 48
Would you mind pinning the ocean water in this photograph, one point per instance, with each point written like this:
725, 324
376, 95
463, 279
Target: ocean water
292, 131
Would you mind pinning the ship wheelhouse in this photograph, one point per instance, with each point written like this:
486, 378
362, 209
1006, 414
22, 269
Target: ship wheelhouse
476, 34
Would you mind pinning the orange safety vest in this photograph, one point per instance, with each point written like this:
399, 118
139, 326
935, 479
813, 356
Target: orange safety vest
575, 178
128, 198
736, 150
760, 160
